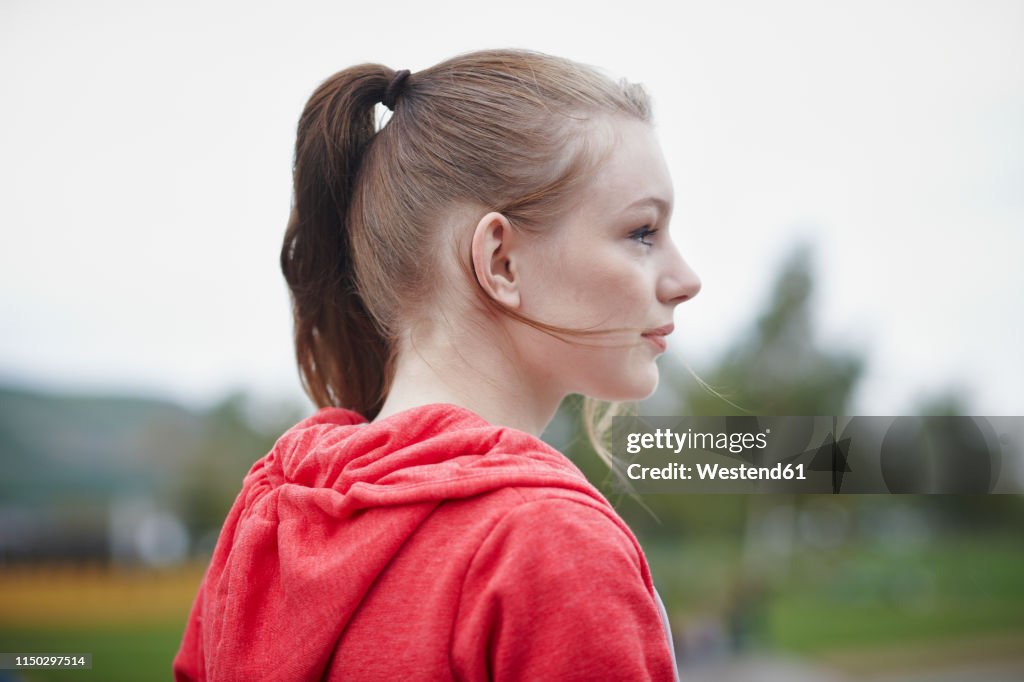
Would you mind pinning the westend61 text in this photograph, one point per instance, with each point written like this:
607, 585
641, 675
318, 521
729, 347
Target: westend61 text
710, 472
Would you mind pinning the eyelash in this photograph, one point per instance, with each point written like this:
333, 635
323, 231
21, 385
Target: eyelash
642, 232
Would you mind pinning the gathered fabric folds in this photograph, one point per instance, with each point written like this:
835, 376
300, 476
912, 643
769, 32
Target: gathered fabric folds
430, 545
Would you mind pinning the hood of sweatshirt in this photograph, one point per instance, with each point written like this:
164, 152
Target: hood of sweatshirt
301, 545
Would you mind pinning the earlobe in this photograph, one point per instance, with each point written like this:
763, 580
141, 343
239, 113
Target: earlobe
492, 259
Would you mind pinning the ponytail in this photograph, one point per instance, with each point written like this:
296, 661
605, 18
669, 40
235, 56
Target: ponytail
343, 357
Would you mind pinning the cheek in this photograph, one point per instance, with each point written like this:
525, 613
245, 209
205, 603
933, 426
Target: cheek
555, 286
612, 289
594, 287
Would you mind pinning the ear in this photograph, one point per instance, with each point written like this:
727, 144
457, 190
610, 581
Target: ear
492, 259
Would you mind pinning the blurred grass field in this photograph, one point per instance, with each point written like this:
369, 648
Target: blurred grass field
855, 595
854, 606
119, 653
858, 608
866, 598
130, 620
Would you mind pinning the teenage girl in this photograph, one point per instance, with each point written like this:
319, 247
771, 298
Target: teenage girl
499, 243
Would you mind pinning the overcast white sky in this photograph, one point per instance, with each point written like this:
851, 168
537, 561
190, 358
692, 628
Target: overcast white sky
145, 156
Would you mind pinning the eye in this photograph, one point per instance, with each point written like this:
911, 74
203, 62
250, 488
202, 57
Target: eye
642, 233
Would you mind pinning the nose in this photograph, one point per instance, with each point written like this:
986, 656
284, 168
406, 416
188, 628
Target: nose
678, 281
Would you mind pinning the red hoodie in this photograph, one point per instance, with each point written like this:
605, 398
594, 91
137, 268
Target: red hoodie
430, 545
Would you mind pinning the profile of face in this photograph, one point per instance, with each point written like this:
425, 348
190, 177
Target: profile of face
609, 263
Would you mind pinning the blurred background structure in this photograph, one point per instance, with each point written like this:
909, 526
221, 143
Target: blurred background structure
848, 185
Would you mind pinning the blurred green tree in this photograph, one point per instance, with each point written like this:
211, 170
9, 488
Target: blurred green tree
228, 443
778, 367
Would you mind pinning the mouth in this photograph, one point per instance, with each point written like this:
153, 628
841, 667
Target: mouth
657, 336
657, 341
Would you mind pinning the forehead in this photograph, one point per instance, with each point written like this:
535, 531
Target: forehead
632, 171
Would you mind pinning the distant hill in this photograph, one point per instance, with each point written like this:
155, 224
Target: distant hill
74, 448
79, 472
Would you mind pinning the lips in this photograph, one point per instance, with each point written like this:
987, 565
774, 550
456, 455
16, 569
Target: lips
657, 336
664, 330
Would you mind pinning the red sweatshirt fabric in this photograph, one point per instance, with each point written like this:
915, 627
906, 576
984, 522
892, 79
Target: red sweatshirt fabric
430, 545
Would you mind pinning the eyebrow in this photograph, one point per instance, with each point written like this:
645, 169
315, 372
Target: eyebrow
657, 202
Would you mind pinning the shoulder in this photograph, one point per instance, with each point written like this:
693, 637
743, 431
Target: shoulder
558, 547
555, 533
559, 589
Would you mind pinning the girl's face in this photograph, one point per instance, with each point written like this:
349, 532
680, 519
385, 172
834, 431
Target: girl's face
610, 263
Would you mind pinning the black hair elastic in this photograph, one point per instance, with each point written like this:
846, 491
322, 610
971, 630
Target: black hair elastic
394, 89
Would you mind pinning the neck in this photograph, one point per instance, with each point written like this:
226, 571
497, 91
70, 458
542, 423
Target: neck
475, 376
